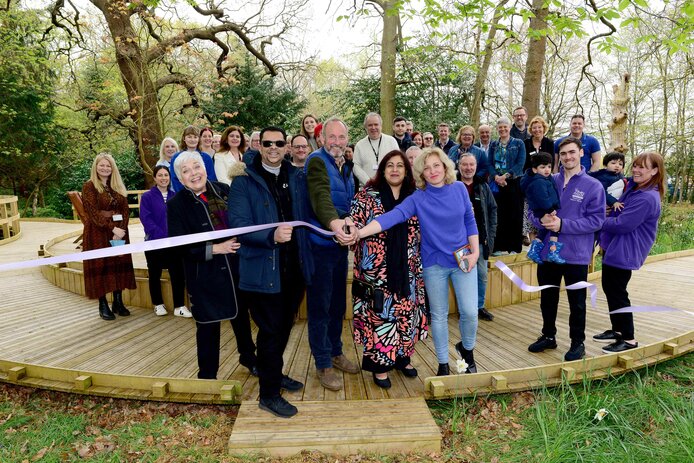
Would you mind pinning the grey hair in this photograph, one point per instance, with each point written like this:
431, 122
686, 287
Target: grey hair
372, 114
184, 157
331, 120
413, 148
503, 121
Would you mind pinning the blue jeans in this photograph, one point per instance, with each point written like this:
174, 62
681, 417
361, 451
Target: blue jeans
326, 302
465, 288
481, 280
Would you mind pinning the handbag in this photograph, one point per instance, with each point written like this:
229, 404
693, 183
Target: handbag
368, 292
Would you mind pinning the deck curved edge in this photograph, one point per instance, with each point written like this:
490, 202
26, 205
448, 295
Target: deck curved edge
183, 390
604, 366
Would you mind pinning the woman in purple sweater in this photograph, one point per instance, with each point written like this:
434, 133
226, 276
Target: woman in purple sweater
627, 237
447, 223
153, 218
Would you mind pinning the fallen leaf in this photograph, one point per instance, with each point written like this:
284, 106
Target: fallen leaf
39, 454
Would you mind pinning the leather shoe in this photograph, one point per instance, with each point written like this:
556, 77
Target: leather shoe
484, 314
619, 346
409, 372
382, 383
278, 406
443, 370
343, 363
329, 379
542, 343
289, 384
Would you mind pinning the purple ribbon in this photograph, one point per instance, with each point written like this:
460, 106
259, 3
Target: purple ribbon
518, 281
153, 245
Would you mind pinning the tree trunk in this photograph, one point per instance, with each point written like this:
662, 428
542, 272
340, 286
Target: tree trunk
618, 125
141, 91
389, 49
534, 65
483, 71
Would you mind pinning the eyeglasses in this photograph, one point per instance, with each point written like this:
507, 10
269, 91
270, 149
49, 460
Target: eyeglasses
278, 143
428, 138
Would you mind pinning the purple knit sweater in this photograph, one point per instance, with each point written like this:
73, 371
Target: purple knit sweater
446, 219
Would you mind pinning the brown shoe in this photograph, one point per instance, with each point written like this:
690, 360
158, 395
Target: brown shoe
343, 363
329, 379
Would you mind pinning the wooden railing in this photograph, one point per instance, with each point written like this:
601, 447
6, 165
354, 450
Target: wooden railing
134, 198
9, 219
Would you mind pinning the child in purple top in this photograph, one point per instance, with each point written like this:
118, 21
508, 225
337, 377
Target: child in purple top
543, 198
627, 237
447, 223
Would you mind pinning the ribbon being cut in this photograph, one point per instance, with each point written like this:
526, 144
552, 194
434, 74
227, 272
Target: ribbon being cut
518, 281
152, 245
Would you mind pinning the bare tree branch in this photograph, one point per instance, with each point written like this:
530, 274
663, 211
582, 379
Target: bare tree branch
584, 69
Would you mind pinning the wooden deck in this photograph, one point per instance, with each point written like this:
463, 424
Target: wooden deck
57, 334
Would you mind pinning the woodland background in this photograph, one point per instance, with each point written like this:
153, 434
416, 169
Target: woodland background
78, 77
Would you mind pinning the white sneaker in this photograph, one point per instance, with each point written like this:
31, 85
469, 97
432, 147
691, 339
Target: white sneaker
182, 312
160, 310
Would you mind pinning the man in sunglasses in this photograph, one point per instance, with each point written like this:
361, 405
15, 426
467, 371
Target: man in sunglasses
330, 190
271, 190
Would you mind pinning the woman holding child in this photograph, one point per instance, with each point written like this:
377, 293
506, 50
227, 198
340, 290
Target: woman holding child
627, 237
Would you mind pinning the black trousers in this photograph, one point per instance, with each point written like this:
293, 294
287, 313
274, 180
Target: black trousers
509, 228
551, 274
207, 338
614, 284
157, 261
274, 315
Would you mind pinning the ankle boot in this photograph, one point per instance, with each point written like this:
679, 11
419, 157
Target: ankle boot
443, 370
553, 255
468, 356
118, 306
104, 311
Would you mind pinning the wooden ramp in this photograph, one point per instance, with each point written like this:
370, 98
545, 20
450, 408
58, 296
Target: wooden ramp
359, 426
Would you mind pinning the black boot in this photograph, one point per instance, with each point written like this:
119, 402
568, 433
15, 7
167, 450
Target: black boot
118, 306
468, 356
443, 370
104, 311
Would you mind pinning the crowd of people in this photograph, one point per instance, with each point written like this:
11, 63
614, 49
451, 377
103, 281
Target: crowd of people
420, 212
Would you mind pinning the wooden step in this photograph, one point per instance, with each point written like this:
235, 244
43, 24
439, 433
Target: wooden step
340, 427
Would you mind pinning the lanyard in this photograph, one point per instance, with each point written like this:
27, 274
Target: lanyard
379, 147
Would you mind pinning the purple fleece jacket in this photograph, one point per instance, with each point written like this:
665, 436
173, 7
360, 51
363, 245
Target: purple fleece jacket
582, 213
153, 214
446, 219
628, 235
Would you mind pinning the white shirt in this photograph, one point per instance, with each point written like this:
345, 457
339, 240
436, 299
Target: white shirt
223, 160
367, 154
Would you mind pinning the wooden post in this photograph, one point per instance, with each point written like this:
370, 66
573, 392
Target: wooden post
16, 373
82, 383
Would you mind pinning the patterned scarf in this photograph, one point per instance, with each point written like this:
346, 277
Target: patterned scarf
217, 205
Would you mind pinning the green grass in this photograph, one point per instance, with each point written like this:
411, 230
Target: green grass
650, 419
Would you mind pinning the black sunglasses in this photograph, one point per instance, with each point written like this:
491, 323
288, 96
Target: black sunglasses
278, 143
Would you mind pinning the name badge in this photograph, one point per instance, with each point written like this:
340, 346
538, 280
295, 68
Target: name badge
117, 217
375, 167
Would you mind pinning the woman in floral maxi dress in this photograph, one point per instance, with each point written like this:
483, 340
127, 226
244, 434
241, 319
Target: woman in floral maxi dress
390, 261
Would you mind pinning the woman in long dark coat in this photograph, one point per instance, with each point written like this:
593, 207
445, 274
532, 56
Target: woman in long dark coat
211, 268
106, 210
